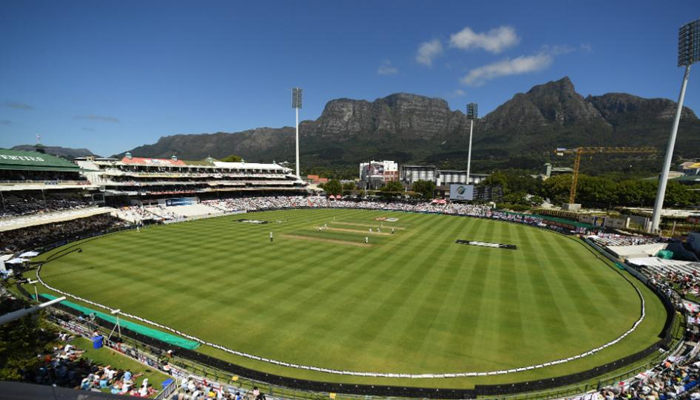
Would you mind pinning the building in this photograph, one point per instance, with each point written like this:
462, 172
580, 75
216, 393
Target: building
139, 180
550, 171
374, 174
412, 173
27, 176
448, 177
315, 179
37, 189
690, 167
441, 177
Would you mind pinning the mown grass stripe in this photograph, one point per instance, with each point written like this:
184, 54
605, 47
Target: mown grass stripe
416, 302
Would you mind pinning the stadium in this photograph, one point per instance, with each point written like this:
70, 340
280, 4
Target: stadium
247, 274
545, 250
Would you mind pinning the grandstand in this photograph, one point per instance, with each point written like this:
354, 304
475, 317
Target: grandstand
32, 182
48, 193
45, 198
145, 181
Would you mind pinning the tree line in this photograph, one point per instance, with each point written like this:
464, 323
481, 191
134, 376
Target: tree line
522, 191
591, 191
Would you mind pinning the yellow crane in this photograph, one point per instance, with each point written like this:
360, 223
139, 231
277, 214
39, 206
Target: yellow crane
579, 151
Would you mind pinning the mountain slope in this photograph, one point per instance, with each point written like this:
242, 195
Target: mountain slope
522, 132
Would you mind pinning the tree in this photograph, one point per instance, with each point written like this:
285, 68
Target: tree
514, 181
393, 186
677, 195
536, 201
333, 187
597, 191
349, 186
425, 188
556, 188
637, 193
232, 158
21, 341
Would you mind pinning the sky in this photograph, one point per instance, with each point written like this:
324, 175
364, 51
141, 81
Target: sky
113, 75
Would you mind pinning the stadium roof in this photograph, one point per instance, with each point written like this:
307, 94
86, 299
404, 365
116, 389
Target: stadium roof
204, 163
245, 165
33, 161
691, 165
155, 162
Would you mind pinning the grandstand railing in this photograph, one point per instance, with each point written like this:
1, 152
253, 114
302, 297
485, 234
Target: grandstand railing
46, 182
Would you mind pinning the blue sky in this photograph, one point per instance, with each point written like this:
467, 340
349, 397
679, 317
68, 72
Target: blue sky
113, 75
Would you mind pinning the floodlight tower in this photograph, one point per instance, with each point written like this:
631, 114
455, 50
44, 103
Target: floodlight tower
296, 104
472, 114
688, 53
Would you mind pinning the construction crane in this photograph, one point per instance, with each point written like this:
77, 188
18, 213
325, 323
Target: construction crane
579, 151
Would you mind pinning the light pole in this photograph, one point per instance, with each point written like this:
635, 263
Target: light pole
36, 292
296, 104
117, 325
688, 53
11, 316
472, 114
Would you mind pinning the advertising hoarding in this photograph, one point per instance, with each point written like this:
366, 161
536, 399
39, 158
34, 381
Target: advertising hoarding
461, 192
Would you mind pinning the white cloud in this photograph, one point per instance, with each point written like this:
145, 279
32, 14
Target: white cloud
494, 41
557, 50
457, 93
454, 94
586, 47
427, 51
102, 118
385, 68
516, 66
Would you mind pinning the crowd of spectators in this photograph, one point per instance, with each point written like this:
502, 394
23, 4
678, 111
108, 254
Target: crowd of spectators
134, 214
18, 205
54, 359
40, 176
615, 239
248, 204
673, 379
684, 283
193, 389
37, 236
284, 202
65, 366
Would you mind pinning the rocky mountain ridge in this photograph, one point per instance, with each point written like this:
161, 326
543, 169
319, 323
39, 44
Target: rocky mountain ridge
418, 129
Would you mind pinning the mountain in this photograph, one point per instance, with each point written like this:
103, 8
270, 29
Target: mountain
521, 133
64, 152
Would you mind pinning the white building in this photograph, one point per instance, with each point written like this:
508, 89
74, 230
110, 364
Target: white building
412, 173
375, 174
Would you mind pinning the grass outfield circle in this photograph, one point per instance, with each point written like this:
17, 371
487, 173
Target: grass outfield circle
408, 302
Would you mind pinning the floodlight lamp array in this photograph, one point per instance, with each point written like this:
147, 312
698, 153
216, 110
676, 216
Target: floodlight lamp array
689, 44
296, 97
472, 111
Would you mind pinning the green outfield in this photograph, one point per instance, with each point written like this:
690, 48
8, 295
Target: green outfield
408, 302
